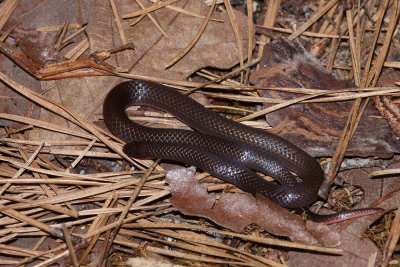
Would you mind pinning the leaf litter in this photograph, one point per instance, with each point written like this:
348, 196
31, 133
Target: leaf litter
51, 127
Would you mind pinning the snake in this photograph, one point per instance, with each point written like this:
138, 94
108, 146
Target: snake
231, 151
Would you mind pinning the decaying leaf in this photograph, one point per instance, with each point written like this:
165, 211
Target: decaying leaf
236, 211
153, 50
316, 127
356, 246
216, 47
42, 194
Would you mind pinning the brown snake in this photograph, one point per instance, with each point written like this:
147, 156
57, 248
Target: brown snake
226, 149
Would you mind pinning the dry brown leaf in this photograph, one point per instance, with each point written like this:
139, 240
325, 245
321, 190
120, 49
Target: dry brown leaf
357, 248
153, 50
236, 211
216, 47
316, 127
356, 253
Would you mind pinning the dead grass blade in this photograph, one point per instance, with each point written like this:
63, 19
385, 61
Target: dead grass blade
237, 33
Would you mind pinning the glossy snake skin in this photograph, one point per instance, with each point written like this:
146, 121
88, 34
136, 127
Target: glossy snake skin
226, 149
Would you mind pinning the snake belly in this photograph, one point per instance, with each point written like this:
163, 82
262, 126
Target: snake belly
224, 148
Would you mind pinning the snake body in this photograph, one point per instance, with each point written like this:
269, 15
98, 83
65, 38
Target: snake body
226, 149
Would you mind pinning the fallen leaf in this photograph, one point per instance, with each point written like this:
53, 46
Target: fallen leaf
235, 211
355, 253
153, 50
383, 193
317, 127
